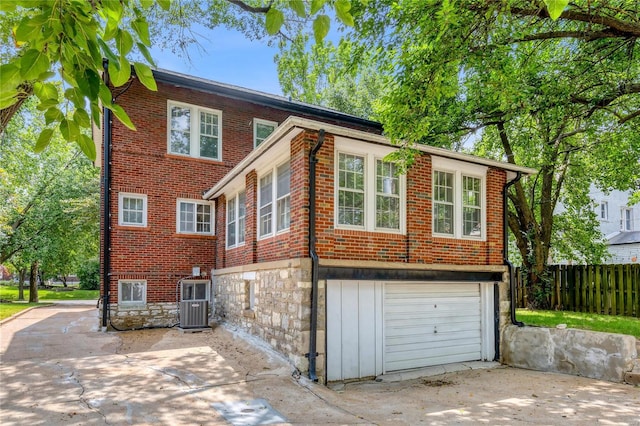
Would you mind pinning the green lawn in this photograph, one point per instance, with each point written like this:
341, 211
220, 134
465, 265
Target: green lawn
10, 292
581, 320
8, 309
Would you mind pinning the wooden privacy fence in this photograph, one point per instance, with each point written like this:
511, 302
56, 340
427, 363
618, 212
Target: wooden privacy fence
600, 289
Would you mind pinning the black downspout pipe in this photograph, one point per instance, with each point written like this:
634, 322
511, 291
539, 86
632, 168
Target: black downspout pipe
313, 354
106, 183
505, 250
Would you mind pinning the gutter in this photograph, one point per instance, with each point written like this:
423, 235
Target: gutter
313, 354
260, 98
106, 185
505, 251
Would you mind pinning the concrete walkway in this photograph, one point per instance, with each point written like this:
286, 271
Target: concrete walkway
57, 368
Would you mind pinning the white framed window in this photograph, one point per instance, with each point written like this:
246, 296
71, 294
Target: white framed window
132, 292
604, 210
626, 219
261, 130
370, 193
194, 290
194, 131
132, 209
194, 217
274, 214
236, 219
459, 194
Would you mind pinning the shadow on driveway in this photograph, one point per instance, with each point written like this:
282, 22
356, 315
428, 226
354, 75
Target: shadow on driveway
57, 367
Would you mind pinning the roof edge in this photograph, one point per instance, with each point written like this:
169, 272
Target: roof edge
292, 123
257, 97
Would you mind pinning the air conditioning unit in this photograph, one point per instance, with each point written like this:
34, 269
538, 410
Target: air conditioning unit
194, 313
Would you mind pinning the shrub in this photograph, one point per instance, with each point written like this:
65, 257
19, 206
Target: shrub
89, 275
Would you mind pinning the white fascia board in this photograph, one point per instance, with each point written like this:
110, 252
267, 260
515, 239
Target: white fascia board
293, 126
277, 141
383, 140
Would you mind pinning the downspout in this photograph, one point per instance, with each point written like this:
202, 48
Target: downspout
313, 354
106, 184
505, 250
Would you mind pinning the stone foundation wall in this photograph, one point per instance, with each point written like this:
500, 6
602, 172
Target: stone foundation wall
148, 315
271, 300
592, 354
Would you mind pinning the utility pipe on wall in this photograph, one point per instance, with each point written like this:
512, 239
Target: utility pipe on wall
505, 250
312, 355
106, 183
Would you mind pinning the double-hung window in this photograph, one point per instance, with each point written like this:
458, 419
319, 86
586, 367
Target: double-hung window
261, 130
236, 215
626, 219
604, 210
275, 201
132, 292
194, 131
194, 217
459, 209
132, 209
370, 192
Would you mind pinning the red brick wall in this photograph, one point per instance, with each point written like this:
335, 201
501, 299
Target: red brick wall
417, 246
140, 164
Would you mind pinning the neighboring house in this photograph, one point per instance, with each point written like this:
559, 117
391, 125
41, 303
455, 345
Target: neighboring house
288, 221
620, 224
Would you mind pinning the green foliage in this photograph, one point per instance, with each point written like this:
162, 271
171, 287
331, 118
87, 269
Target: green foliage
10, 292
68, 39
50, 209
323, 74
582, 321
89, 274
559, 95
10, 309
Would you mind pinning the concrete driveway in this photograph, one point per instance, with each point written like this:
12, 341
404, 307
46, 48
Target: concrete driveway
57, 368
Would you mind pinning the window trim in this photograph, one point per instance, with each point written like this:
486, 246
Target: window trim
623, 219
273, 171
195, 202
121, 197
371, 154
194, 141
257, 121
604, 210
460, 169
236, 200
132, 302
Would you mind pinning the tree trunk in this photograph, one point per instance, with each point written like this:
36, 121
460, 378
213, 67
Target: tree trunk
6, 114
33, 283
22, 273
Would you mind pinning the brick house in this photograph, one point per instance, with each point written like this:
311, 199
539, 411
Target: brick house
284, 219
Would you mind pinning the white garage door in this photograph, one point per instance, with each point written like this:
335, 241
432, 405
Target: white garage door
374, 327
431, 324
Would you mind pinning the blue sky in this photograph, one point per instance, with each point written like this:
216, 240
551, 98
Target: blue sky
228, 57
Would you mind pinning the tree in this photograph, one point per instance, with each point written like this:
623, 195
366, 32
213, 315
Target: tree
49, 218
70, 39
323, 74
562, 96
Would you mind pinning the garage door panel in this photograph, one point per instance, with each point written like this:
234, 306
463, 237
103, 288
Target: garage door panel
430, 324
432, 320
434, 332
434, 359
446, 347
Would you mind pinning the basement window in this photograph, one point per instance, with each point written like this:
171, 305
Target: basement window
132, 292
